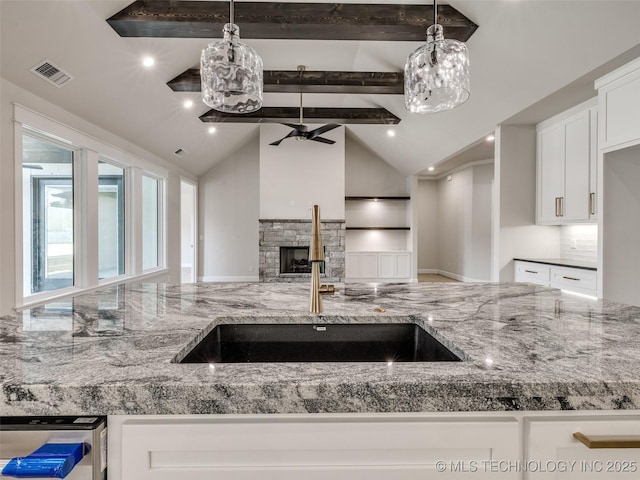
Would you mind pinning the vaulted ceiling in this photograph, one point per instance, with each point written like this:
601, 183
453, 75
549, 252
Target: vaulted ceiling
522, 52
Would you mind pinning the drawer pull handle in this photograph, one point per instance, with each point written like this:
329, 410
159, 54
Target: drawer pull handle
608, 441
531, 271
571, 278
592, 204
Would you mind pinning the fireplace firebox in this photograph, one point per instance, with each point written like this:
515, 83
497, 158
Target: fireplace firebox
296, 260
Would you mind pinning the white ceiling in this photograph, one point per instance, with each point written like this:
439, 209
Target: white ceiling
522, 52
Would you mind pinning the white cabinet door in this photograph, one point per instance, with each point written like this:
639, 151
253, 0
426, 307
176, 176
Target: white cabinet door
403, 265
317, 449
551, 173
552, 450
352, 265
619, 98
387, 265
575, 205
593, 165
369, 265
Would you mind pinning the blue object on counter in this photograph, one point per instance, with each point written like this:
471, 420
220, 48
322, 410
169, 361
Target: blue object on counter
52, 460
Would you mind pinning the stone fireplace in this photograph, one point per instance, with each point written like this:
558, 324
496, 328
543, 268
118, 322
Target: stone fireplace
277, 233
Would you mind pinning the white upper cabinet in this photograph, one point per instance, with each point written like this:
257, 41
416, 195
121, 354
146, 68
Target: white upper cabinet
566, 167
619, 106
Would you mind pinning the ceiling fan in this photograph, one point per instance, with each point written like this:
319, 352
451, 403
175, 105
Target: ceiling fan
301, 132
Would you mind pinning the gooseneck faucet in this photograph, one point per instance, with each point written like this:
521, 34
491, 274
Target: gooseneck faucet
316, 255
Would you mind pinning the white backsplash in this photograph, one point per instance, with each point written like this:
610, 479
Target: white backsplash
579, 242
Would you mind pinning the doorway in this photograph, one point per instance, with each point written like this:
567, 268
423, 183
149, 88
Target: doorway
188, 232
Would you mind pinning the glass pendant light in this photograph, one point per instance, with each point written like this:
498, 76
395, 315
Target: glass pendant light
436, 75
231, 73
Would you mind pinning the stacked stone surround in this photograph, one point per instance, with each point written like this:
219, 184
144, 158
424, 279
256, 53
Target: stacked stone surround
276, 233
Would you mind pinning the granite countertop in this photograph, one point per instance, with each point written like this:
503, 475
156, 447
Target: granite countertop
562, 262
527, 348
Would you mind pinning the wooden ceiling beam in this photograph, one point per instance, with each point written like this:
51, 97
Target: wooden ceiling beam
293, 81
275, 20
342, 116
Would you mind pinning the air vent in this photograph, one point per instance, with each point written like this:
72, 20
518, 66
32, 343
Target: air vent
181, 152
51, 73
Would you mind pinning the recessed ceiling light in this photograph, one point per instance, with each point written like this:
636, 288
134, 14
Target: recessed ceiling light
188, 103
491, 138
391, 133
148, 62
212, 130
431, 169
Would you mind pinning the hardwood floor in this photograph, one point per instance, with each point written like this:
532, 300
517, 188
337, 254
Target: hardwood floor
430, 277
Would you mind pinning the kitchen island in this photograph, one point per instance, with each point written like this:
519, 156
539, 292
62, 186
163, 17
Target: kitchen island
525, 347
538, 365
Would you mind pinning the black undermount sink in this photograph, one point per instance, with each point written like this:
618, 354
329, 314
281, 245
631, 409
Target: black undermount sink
372, 342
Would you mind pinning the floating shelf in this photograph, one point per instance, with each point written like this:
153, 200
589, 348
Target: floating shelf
377, 198
378, 228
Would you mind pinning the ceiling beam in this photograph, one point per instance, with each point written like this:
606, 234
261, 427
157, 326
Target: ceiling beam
273, 20
311, 115
293, 81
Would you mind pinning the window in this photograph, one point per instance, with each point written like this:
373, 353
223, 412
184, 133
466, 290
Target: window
48, 216
150, 224
111, 221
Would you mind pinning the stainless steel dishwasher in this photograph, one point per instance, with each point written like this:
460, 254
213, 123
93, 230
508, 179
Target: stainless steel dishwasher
20, 436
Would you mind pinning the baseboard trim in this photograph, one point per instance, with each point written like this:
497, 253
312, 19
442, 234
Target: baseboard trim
460, 278
433, 271
229, 279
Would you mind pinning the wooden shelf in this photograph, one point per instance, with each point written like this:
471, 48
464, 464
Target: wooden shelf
378, 228
377, 198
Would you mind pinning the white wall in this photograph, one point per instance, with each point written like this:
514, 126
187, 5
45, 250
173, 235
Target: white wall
515, 231
368, 174
479, 267
426, 201
13, 93
579, 242
296, 175
229, 206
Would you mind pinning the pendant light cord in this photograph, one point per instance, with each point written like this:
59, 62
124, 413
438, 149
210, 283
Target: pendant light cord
435, 11
231, 12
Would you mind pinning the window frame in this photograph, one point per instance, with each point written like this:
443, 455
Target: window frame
88, 152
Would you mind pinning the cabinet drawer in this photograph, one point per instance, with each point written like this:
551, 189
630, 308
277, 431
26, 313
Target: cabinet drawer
575, 279
532, 272
550, 443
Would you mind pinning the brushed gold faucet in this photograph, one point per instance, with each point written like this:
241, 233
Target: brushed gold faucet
316, 255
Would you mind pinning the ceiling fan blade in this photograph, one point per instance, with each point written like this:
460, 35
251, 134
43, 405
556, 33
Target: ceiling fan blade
292, 133
297, 126
321, 140
320, 130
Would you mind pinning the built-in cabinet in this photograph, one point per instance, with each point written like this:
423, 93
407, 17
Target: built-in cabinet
489, 446
619, 104
378, 238
566, 166
573, 279
372, 266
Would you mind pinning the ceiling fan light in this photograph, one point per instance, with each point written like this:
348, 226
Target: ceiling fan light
436, 75
231, 74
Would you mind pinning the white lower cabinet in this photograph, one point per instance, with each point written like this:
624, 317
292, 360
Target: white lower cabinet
373, 266
578, 280
552, 452
312, 447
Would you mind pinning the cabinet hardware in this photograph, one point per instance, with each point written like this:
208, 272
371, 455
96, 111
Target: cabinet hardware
608, 441
571, 278
592, 203
557, 206
562, 206
531, 271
